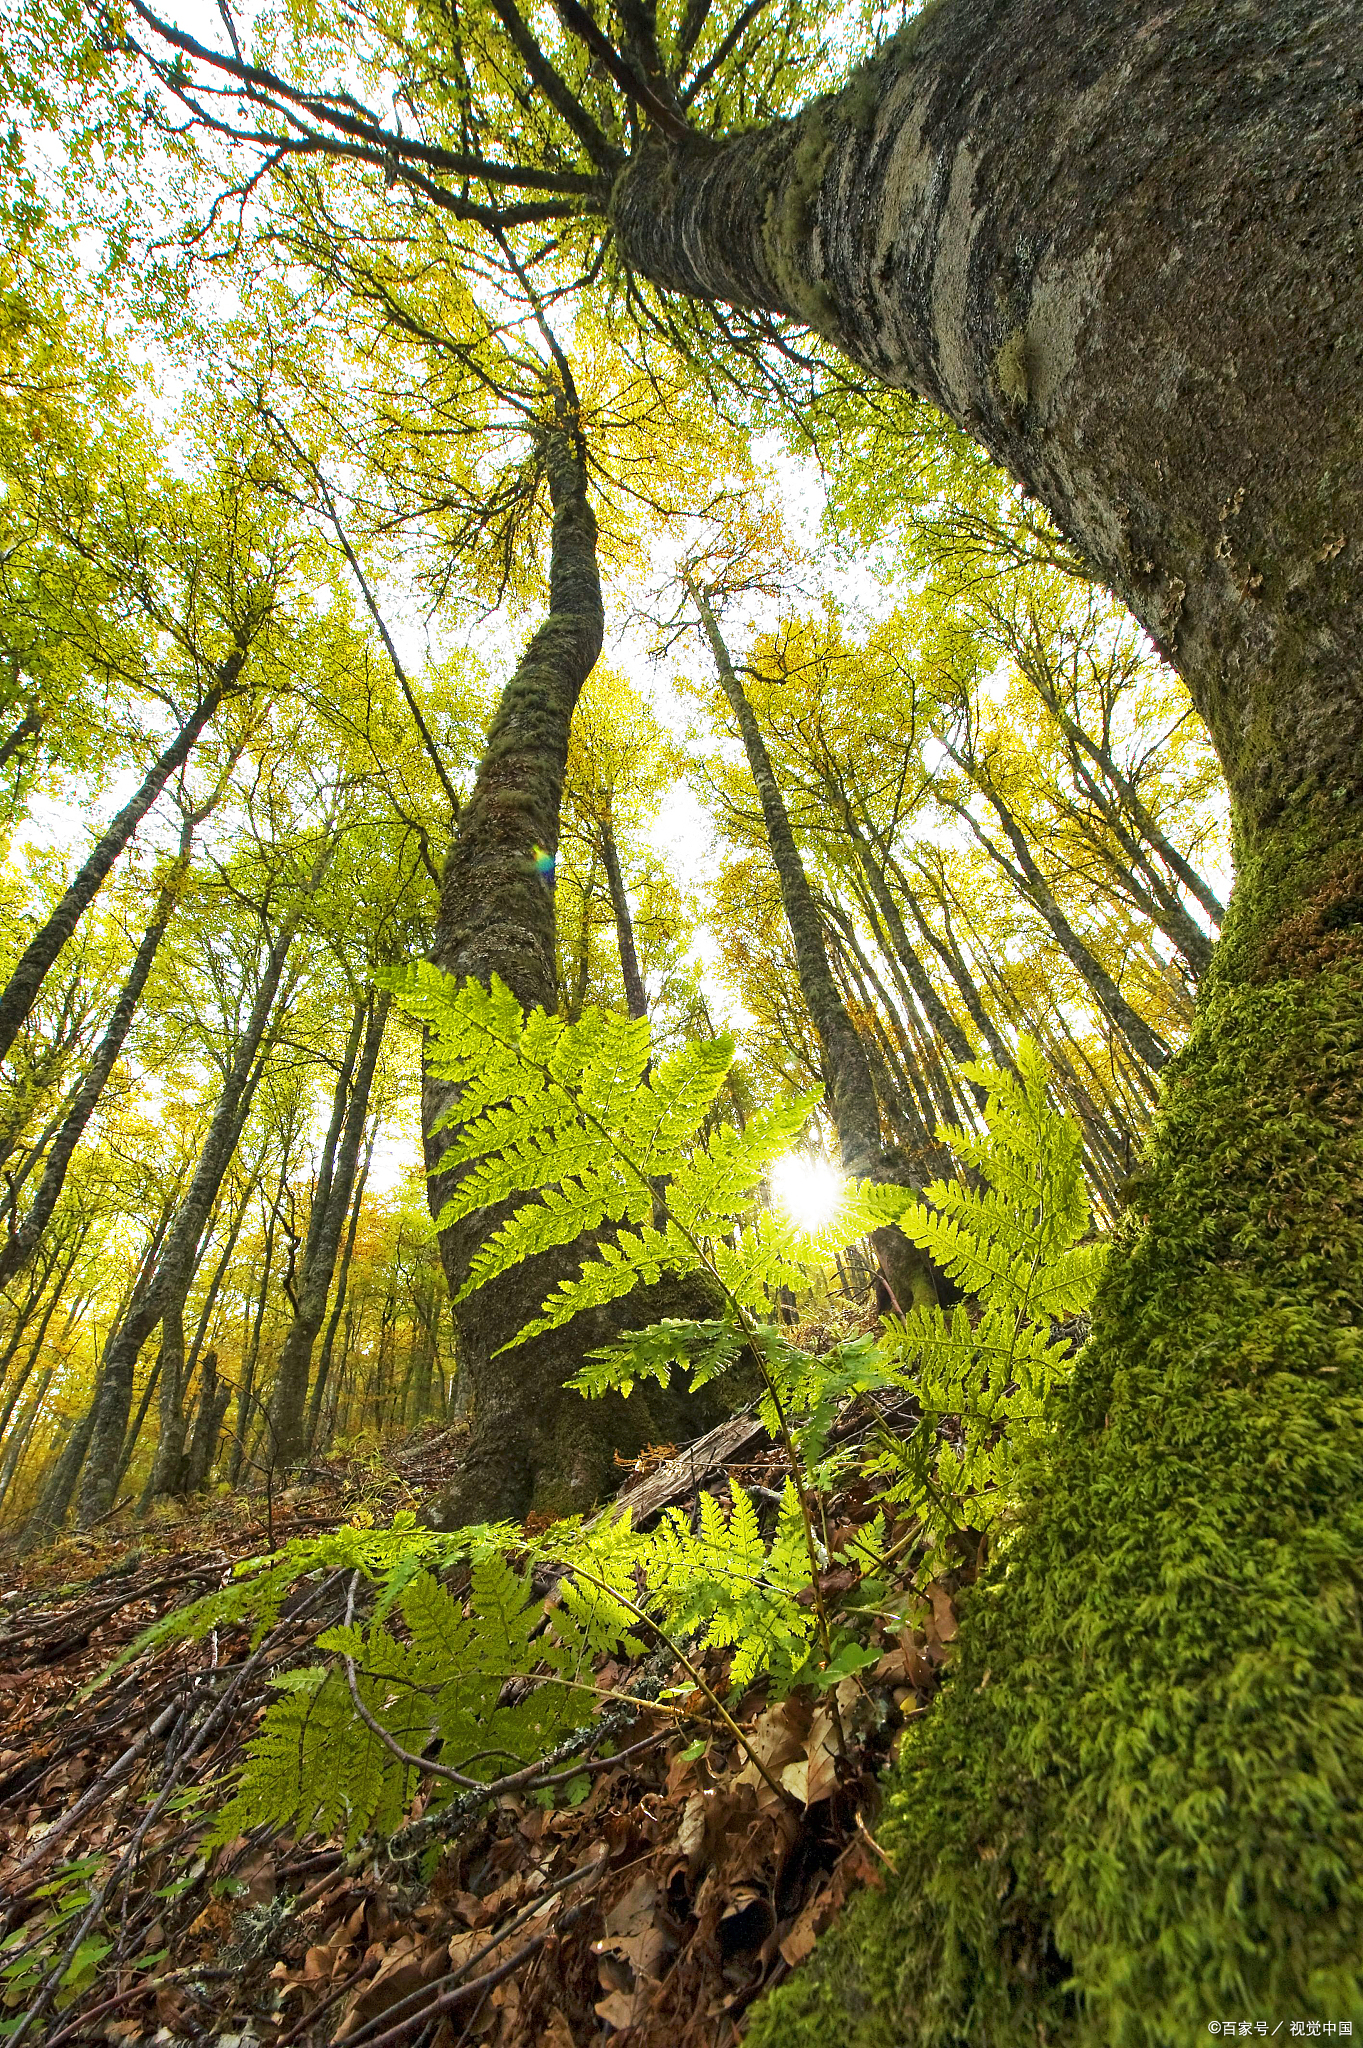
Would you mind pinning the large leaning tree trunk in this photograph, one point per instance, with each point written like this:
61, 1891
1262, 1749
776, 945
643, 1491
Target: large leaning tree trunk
1123, 246
532, 1444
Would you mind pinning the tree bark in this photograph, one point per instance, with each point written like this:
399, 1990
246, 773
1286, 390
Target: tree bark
21, 991
331, 1202
636, 998
1030, 883
532, 1443
24, 1240
1074, 227
163, 1290
342, 1283
18, 1440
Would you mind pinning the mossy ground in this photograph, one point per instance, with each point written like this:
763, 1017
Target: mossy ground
1136, 1807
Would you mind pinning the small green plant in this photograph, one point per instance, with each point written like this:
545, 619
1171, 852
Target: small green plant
572, 1125
31, 1951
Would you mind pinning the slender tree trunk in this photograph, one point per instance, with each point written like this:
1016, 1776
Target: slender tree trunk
164, 1289
851, 1088
25, 1239
134, 1432
342, 1284
21, 991
18, 1441
532, 1443
54, 1300
1032, 885
1142, 817
24, 1314
903, 951
251, 1349
60, 1484
28, 728
1125, 857
636, 998
332, 1200
203, 1443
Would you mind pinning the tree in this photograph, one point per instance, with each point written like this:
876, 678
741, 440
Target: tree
532, 1440
1117, 247
851, 1089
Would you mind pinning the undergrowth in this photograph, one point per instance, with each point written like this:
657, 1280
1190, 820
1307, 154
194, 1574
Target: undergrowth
495, 1675
462, 1664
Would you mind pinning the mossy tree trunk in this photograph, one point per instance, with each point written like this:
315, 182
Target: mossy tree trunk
533, 1444
1136, 1804
1119, 246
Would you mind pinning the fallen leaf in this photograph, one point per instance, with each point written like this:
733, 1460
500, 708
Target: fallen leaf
617, 2010
943, 1613
691, 1833
398, 1976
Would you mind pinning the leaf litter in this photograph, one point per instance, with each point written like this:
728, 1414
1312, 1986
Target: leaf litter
648, 1907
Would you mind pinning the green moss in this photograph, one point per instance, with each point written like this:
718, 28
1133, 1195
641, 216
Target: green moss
1136, 1806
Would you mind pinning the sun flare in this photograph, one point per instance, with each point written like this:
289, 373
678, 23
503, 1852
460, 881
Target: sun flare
809, 1190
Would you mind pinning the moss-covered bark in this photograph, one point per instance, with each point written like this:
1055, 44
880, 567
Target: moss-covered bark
1138, 1804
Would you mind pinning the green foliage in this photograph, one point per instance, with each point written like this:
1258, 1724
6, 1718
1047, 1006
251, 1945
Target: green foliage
979, 1374
573, 1115
29, 1953
495, 1676
1013, 1243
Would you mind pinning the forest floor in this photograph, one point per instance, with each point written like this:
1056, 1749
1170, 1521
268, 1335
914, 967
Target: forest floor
648, 1910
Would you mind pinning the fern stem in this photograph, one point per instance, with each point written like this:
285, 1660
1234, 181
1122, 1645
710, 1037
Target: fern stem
693, 1673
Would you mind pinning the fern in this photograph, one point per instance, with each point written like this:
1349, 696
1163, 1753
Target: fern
1014, 1243
570, 1117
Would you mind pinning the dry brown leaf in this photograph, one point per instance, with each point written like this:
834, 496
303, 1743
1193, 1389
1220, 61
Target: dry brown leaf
398, 1976
943, 1613
634, 1932
462, 1947
922, 1677
617, 2009
691, 1833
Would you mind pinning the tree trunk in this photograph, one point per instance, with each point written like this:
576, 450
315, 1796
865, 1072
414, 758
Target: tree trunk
25, 1239
18, 1440
203, 1441
251, 1347
331, 1203
1074, 227
163, 1290
532, 1443
1032, 886
636, 999
851, 1088
28, 728
342, 1284
21, 991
